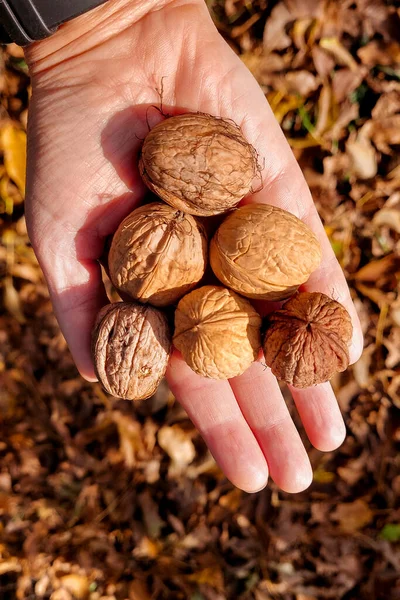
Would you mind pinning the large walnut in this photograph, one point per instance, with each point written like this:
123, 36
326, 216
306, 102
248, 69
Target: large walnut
217, 332
198, 163
157, 254
264, 252
306, 342
130, 347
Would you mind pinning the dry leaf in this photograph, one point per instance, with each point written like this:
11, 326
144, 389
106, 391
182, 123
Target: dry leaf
389, 217
301, 82
352, 516
275, 37
13, 142
78, 585
211, 576
363, 157
12, 301
339, 52
178, 445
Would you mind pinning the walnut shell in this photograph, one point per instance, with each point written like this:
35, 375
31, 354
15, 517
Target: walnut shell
157, 254
198, 163
306, 342
131, 346
217, 332
264, 252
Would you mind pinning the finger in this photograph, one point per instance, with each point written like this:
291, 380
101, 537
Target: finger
213, 409
264, 409
76, 305
320, 415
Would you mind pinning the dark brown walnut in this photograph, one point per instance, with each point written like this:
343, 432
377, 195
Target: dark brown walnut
198, 163
131, 345
217, 332
264, 252
306, 342
157, 254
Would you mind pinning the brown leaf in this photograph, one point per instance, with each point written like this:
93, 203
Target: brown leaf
379, 53
301, 82
212, 576
323, 61
352, 516
275, 37
387, 105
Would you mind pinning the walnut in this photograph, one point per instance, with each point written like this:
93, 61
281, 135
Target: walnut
130, 347
306, 342
264, 252
217, 332
157, 254
198, 163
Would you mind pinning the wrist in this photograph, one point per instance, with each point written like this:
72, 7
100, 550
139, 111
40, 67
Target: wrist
82, 34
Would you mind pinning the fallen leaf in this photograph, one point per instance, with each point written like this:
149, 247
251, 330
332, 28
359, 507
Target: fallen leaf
178, 445
352, 516
301, 82
389, 217
363, 157
339, 52
13, 142
211, 576
275, 36
78, 585
378, 52
12, 301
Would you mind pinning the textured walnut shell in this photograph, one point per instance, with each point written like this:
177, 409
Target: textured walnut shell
157, 254
130, 347
217, 332
197, 163
306, 342
264, 252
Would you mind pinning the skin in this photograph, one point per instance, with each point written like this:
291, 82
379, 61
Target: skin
92, 82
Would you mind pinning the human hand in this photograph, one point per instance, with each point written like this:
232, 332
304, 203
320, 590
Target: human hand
93, 82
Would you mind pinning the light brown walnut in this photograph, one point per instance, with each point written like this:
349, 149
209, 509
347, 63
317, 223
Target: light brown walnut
306, 342
198, 163
264, 252
157, 254
131, 345
217, 332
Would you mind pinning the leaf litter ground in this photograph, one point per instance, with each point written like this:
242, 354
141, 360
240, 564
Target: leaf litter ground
101, 500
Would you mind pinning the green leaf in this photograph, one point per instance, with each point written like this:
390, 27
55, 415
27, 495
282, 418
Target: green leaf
391, 532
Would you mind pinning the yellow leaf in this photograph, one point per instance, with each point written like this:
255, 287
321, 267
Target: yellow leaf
322, 476
288, 104
306, 142
339, 52
78, 585
13, 142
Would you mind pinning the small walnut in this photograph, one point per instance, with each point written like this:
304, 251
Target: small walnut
306, 342
130, 347
198, 163
264, 252
157, 254
217, 332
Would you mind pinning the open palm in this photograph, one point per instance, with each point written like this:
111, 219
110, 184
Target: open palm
92, 85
